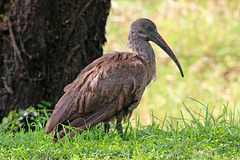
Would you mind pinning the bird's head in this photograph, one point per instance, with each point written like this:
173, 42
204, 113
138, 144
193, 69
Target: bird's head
146, 30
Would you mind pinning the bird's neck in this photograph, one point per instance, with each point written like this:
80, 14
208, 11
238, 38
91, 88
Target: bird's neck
143, 48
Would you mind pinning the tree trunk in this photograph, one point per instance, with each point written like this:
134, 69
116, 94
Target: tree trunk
45, 45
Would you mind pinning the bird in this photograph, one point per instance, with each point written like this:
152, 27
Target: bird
110, 87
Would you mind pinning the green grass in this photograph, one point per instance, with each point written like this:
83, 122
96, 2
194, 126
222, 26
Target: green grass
205, 37
204, 137
203, 34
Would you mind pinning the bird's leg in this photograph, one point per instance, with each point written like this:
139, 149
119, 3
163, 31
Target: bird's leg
106, 127
119, 121
119, 129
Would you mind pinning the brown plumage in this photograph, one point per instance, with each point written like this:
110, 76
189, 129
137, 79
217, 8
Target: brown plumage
112, 85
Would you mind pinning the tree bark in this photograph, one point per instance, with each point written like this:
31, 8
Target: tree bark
45, 45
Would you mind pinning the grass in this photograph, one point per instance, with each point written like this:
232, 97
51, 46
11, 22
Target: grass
204, 137
205, 37
203, 34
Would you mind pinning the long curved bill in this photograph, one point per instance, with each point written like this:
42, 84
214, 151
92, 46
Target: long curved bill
161, 43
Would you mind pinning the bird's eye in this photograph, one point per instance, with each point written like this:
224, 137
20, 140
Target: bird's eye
148, 28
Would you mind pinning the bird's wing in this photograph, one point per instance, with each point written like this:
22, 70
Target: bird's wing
118, 77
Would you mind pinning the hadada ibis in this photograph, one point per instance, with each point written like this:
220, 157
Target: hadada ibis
110, 87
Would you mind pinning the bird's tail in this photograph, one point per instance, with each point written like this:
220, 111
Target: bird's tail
80, 124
